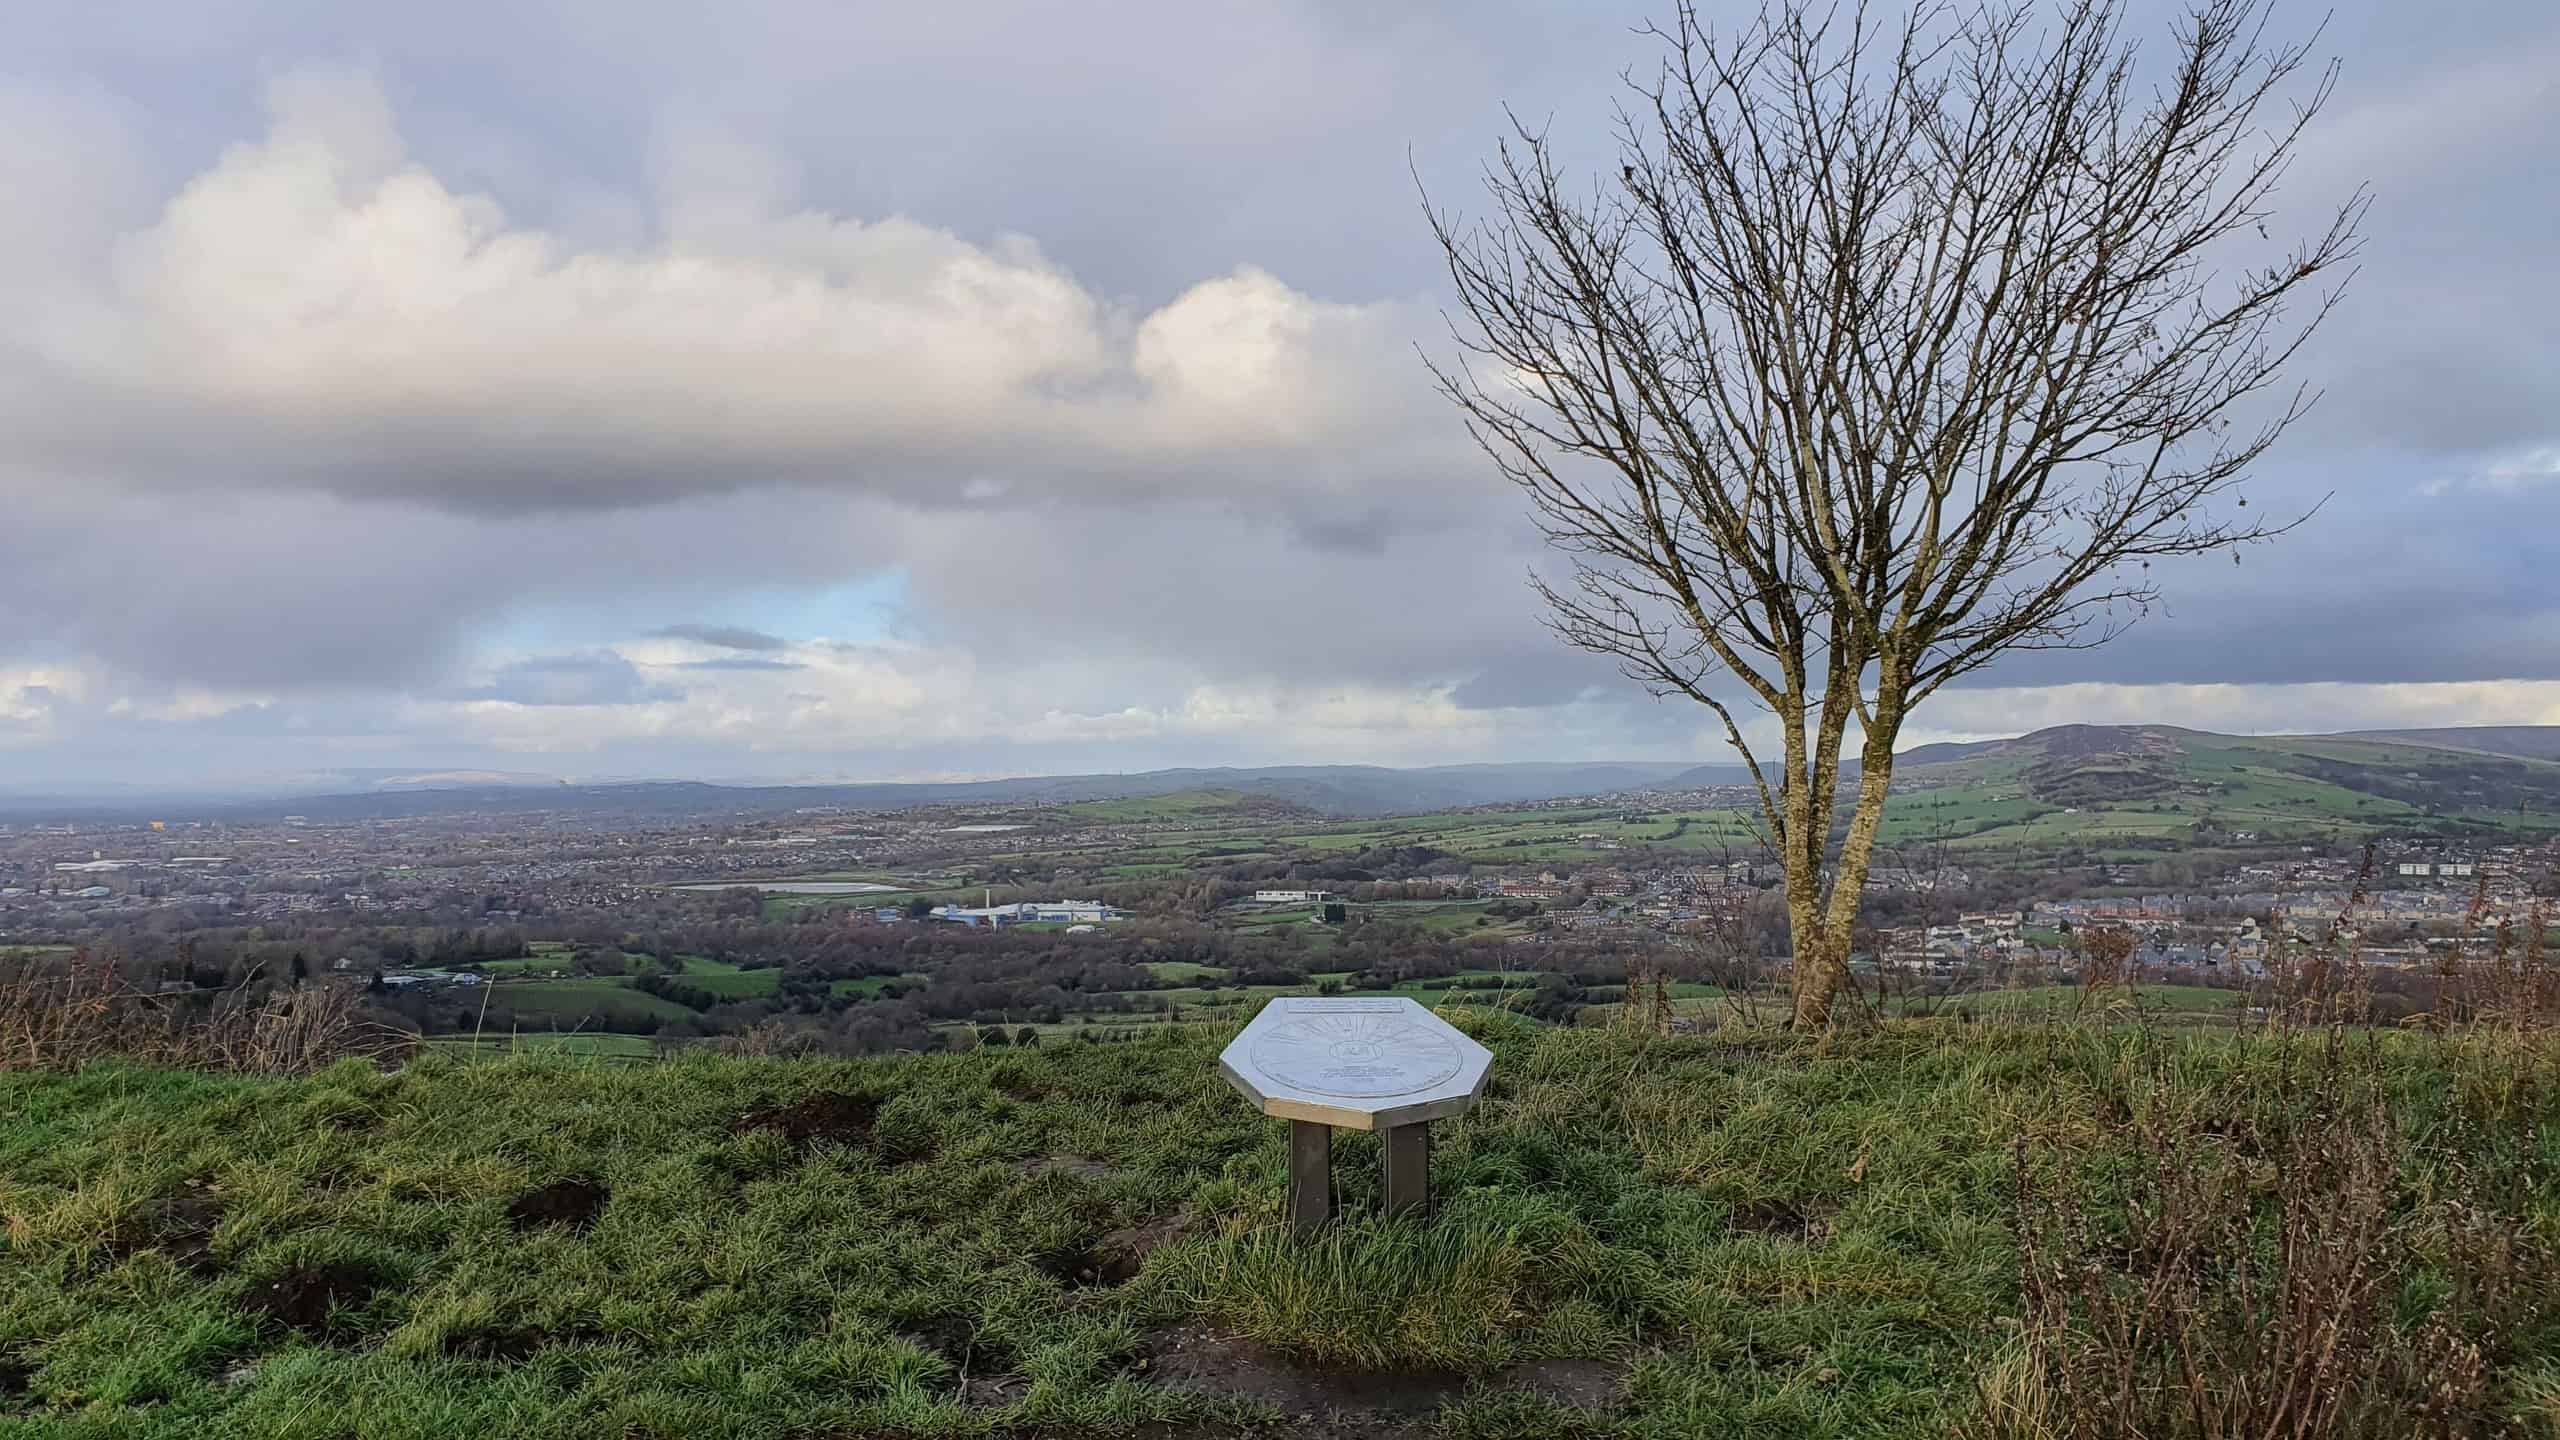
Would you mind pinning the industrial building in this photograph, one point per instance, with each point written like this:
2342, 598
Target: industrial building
1033, 912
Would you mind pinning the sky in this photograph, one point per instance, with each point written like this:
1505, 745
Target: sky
893, 391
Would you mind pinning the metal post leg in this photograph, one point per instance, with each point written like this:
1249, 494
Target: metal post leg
1310, 1175
1409, 1169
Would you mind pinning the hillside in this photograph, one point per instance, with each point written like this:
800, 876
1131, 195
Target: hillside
1330, 789
2528, 742
2151, 786
1637, 1238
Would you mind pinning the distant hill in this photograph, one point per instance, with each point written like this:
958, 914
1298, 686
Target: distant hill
1327, 789
2158, 786
2524, 742
1709, 777
2127, 788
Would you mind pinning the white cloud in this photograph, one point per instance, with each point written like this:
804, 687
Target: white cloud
325, 298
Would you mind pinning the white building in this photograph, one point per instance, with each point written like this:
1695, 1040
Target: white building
1031, 912
1292, 897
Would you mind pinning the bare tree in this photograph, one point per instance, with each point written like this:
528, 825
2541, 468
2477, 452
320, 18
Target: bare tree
1890, 349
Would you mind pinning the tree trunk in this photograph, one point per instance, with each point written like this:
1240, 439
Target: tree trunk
1822, 967
1822, 972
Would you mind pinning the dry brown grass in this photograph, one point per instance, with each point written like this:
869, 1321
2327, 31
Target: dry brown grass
63, 1018
2273, 1274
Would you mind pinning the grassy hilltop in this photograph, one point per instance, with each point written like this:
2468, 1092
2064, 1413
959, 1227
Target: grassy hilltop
1637, 1236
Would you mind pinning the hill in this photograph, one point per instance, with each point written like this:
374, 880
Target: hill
1329, 789
2123, 789
2529, 742
1636, 1237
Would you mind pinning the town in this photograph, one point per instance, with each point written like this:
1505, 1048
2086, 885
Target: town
618, 929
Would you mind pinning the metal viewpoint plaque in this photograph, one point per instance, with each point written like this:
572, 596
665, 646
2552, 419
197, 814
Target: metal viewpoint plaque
1364, 1063
1382, 1064
1356, 1049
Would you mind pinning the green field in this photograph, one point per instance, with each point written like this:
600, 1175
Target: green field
1181, 805
1635, 1238
618, 1047
566, 1003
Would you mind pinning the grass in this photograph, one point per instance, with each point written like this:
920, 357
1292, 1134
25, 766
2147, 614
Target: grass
1180, 805
599, 1000
621, 1047
1762, 1238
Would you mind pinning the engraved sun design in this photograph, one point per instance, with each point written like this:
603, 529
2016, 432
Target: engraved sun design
1355, 1056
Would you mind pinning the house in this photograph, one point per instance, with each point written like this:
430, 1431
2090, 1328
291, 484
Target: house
1291, 897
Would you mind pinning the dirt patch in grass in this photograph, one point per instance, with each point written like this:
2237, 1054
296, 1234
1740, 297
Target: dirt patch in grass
993, 1392
1118, 1256
574, 1203
1590, 1385
17, 1382
180, 1227
1198, 1359
1801, 1222
304, 1297
1076, 1165
185, 1225
1111, 1259
510, 1344
842, 1119
1201, 1360
954, 1335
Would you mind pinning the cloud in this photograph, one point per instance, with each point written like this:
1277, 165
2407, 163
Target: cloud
339, 426
740, 662
598, 678
343, 318
723, 637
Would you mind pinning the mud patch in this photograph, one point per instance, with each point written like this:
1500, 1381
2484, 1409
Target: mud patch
1197, 1359
954, 1335
1075, 1165
180, 1227
304, 1297
574, 1203
1118, 1256
1112, 1259
841, 1119
186, 1225
994, 1392
1801, 1222
1588, 1385
17, 1381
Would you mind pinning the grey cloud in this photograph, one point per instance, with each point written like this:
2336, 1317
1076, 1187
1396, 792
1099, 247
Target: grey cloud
594, 678
725, 637
1532, 683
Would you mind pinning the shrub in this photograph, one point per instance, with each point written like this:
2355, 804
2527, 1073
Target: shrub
63, 1019
2260, 1268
